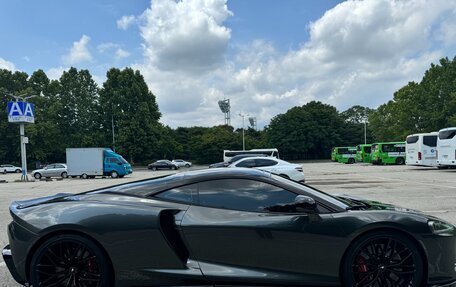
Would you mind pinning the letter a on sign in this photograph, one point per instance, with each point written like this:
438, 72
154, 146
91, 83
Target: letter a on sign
15, 110
28, 110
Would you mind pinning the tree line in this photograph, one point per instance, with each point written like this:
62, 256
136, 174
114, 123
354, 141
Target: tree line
74, 111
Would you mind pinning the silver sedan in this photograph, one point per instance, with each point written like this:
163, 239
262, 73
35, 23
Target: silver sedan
51, 170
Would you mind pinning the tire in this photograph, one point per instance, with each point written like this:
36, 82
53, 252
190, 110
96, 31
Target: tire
18, 171
88, 258
114, 174
442, 167
64, 174
400, 161
393, 257
351, 161
173, 168
37, 175
154, 168
187, 165
84, 176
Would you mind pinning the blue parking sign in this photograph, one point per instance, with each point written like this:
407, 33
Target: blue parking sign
21, 112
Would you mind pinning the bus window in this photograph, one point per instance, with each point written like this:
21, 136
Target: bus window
412, 139
430, 141
367, 149
446, 135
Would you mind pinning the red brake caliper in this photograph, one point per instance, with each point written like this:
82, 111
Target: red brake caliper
362, 267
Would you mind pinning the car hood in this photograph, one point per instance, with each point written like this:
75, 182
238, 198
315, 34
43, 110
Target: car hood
375, 205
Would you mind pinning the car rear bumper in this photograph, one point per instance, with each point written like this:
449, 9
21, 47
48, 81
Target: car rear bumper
8, 258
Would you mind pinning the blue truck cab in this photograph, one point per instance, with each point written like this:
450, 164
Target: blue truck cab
115, 165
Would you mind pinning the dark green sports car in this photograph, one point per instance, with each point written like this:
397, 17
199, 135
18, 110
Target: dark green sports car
225, 227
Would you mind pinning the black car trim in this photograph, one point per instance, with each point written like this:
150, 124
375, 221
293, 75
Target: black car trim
171, 234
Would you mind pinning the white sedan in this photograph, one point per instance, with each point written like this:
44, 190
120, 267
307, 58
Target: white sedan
10, 168
273, 165
182, 163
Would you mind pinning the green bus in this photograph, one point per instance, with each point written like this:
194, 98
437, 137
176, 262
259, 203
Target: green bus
334, 153
388, 153
345, 154
363, 153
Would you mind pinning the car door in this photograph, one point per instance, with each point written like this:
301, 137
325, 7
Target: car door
59, 169
47, 171
236, 240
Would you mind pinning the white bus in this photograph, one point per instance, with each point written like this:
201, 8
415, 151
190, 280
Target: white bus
446, 148
228, 154
421, 149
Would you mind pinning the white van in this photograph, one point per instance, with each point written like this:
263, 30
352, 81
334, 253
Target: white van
446, 147
421, 149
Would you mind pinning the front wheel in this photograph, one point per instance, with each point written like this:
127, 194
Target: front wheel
114, 174
383, 259
84, 176
37, 175
351, 161
70, 260
400, 161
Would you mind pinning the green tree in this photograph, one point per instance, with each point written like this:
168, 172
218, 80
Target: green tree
125, 99
306, 132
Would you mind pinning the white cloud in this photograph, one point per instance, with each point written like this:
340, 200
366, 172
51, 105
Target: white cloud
121, 54
125, 22
4, 64
359, 52
56, 72
186, 35
79, 52
103, 47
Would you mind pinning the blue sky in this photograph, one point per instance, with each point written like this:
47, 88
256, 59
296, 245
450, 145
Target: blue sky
265, 55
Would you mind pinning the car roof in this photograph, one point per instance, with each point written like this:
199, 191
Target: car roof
150, 186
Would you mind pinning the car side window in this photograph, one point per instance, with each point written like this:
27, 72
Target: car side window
242, 194
265, 162
183, 194
246, 163
59, 166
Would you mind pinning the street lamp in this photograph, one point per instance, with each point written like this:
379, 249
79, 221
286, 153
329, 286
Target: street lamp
243, 136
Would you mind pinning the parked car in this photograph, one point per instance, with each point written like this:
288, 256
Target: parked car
6, 168
162, 164
273, 165
182, 163
234, 159
51, 170
224, 227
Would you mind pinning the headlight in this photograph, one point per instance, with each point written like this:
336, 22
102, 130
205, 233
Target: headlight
441, 228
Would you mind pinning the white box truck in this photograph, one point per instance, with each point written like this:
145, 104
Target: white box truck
91, 162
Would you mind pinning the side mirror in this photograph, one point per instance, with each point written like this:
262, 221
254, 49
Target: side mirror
305, 202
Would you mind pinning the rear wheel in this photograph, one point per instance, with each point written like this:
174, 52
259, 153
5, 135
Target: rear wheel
383, 259
70, 260
400, 161
187, 165
64, 174
351, 161
18, 170
154, 168
84, 176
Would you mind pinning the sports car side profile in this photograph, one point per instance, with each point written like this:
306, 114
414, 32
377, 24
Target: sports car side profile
228, 226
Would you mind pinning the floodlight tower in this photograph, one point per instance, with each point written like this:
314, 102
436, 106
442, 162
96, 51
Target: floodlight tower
225, 108
253, 122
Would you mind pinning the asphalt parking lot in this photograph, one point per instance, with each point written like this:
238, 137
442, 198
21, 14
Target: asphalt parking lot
427, 189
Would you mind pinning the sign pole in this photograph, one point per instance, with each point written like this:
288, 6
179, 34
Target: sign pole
24, 176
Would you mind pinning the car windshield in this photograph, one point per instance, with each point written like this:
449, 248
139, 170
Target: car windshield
122, 160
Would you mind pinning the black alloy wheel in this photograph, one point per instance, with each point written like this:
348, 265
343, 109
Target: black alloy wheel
69, 260
383, 260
